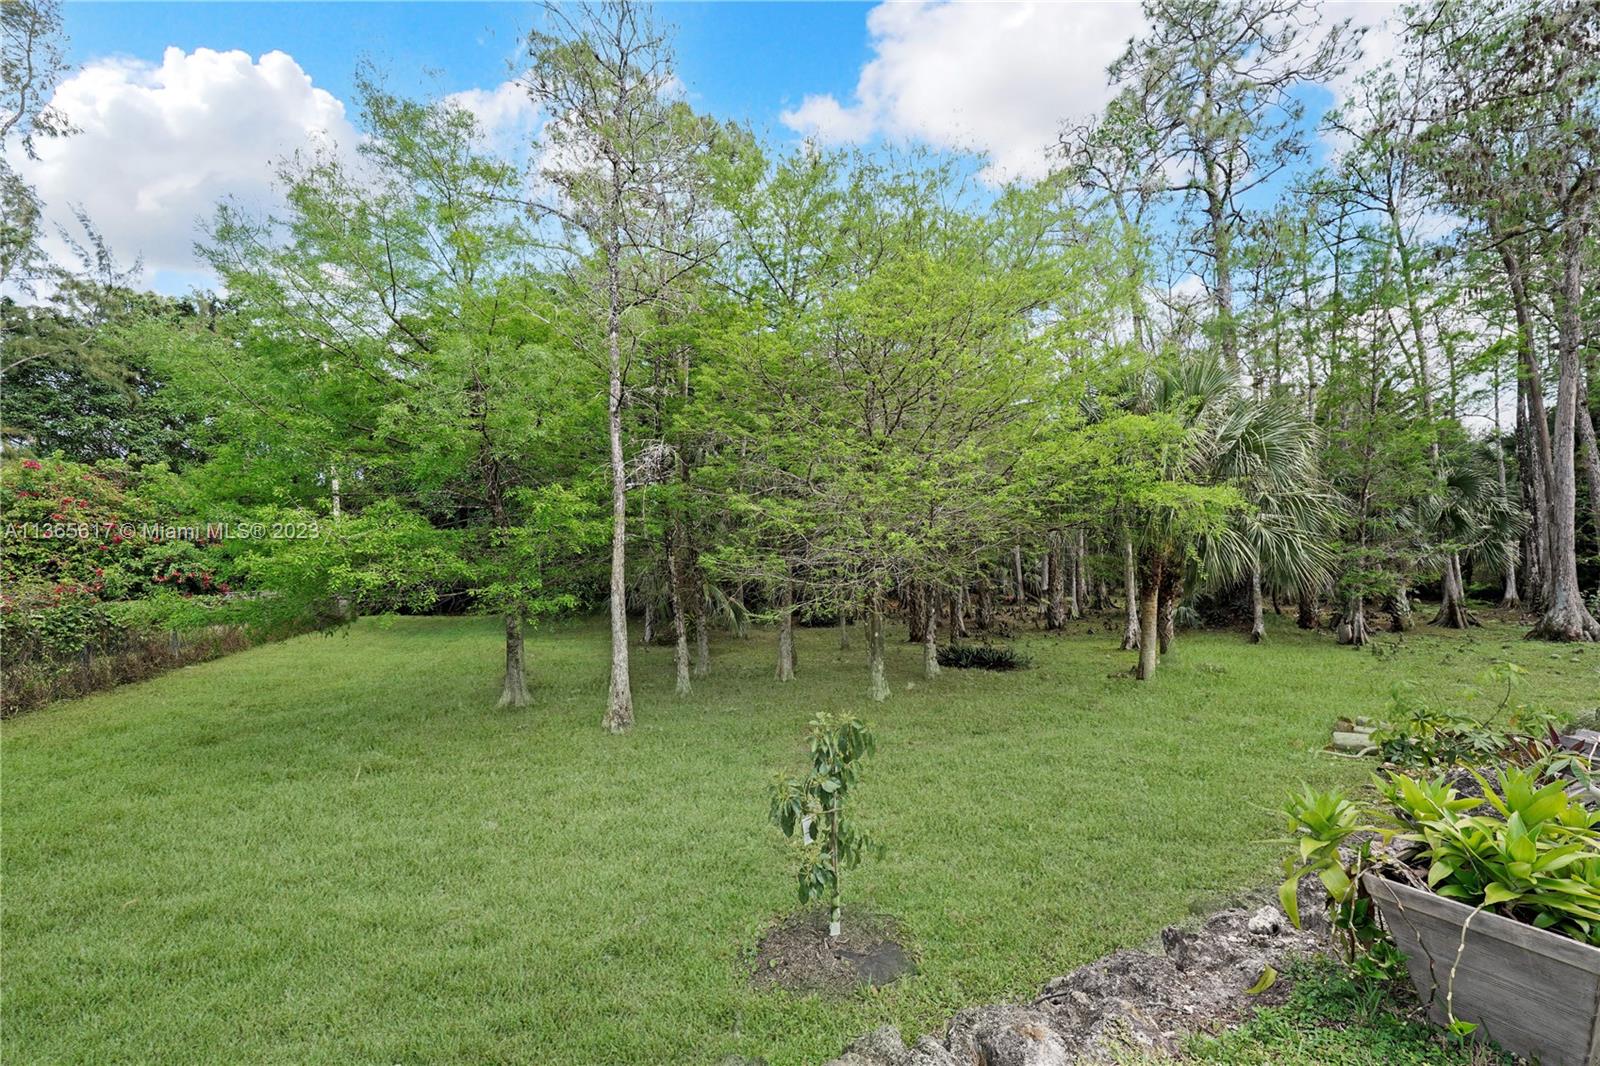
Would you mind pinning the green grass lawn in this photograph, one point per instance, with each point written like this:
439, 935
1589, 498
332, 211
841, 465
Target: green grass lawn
337, 850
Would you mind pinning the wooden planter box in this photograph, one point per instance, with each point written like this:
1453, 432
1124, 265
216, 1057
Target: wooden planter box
1533, 992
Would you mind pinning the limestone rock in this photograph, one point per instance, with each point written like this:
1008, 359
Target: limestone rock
1268, 921
1128, 1000
881, 1047
1007, 1035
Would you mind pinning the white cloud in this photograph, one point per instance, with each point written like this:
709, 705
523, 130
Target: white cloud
160, 144
1380, 39
826, 120
1001, 78
507, 114
998, 79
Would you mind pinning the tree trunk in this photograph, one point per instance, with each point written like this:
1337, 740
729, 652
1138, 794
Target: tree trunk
1055, 592
1074, 606
619, 704
1130, 592
341, 603
1533, 501
702, 636
1306, 609
1044, 581
985, 604
844, 630
878, 683
1222, 260
1509, 600
930, 636
1258, 624
785, 670
1565, 615
1591, 464
680, 620
836, 900
1149, 625
1453, 613
1152, 571
1400, 617
1171, 591
1542, 450
1022, 587
1353, 626
514, 693
916, 613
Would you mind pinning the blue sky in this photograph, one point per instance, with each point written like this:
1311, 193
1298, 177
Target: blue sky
741, 60
182, 104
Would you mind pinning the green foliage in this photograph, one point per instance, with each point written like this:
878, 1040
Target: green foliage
385, 559
1525, 849
1533, 856
1334, 843
982, 657
814, 811
1420, 736
74, 388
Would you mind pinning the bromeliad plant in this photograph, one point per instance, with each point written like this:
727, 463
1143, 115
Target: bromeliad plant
1334, 836
1526, 850
813, 811
1534, 855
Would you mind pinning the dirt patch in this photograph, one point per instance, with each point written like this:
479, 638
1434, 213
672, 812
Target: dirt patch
797, 953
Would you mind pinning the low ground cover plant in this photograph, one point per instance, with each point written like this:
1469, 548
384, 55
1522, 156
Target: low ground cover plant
982, 657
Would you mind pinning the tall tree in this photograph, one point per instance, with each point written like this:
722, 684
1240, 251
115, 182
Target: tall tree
1514, 142
32, 61
397, 308
1218, 84
618, 152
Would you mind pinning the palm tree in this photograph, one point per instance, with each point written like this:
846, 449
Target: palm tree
1467, 515
1280, 540
1264, 454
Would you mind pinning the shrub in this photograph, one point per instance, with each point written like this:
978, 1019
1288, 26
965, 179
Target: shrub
1421, 737
982, 657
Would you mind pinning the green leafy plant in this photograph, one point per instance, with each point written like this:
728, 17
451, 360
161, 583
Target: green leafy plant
1526, 850
982, 657
1333, 837
813, 811
1422, 737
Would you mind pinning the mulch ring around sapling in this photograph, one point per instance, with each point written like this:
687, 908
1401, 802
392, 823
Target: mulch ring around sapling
798, 955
